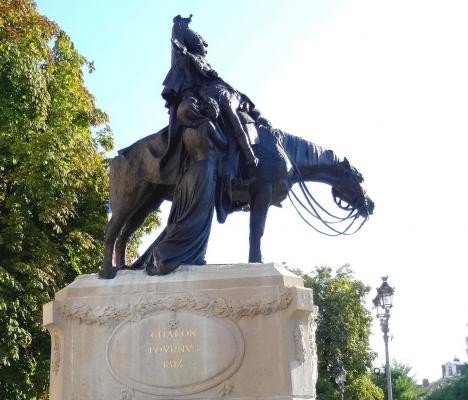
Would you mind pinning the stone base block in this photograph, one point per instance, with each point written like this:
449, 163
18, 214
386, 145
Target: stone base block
243, 331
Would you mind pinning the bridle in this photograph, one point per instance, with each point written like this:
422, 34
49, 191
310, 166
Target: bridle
311, 206
311, 209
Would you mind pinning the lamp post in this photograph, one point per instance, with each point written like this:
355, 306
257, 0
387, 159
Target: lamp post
383, 303
340, 380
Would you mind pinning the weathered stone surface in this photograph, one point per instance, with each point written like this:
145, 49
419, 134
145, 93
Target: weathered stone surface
243, 331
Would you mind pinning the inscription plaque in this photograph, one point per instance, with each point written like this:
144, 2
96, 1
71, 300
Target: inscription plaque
175, 354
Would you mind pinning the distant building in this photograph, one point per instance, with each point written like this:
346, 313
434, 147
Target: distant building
450, 370
453, 368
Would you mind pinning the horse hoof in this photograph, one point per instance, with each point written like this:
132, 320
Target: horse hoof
107, 273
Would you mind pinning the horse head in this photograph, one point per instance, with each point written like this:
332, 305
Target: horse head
349, 190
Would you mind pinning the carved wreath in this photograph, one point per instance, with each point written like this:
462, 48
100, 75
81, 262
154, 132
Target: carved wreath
208, 306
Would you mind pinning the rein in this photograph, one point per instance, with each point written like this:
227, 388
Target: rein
312, 203
337, 232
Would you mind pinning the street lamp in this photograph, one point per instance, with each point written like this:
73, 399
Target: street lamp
383, 302
340, 380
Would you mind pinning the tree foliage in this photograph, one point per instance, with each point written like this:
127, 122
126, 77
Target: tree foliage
343, 329
151, 222
404, 386
53, 186
456, 389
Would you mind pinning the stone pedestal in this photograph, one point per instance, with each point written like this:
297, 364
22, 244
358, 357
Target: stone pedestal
243, 331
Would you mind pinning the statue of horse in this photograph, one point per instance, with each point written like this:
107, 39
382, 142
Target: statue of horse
137, 188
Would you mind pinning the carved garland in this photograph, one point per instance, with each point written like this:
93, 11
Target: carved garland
55, 362
306, 349
312, 330
299, 343
226, 388
208, 306
126, 393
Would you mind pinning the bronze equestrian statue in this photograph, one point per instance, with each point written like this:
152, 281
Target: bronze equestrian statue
134, 197
218, 153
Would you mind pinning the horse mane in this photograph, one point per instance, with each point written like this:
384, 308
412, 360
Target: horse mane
305, 153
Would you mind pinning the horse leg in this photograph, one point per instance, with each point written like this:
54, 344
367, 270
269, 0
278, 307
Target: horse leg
134, 222
114, 225
260, 200
125, 194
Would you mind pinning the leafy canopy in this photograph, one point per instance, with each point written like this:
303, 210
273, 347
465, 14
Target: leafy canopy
456, 389
53, 186
343, 329
404, 385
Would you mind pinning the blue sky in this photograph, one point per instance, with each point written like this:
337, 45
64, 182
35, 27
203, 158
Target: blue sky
129, 41
382, 83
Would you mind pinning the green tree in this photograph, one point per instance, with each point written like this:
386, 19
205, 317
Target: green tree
343, 329
53, 186
151, 222
457, 389
404, 386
